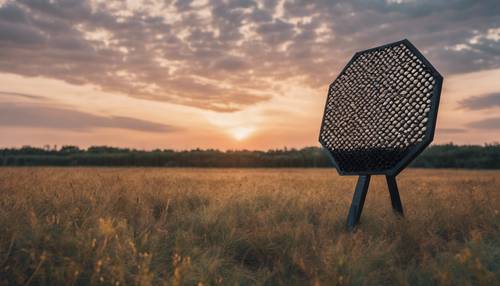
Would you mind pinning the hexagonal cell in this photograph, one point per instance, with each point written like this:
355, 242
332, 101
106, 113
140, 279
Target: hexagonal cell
381, 110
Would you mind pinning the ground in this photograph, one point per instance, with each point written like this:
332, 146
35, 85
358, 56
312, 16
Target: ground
142, 226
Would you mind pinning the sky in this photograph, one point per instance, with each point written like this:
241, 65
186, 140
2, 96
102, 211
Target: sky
247, 74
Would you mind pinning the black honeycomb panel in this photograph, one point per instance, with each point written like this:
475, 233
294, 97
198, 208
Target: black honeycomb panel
380, 109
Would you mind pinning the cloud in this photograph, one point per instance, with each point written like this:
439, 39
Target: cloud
231, 50
23, 95
276, 32
481, 102
40, 116
451, 130
488, 123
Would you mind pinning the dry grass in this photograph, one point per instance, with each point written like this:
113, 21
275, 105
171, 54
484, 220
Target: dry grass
64, 226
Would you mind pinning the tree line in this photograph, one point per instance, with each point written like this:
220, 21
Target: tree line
436, 156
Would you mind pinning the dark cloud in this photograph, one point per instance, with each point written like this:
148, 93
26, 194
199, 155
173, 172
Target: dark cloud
488, 123
183, 5
40, 116
451, 130
481, 102
276, 32
223, 55
20, 94
230, 63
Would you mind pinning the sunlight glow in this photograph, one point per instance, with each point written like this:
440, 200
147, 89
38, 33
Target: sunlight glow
240, 133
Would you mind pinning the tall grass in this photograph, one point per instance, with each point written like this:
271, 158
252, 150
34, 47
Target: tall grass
80, 226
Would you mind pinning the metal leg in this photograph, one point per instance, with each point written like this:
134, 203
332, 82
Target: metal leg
358, 201
393, 190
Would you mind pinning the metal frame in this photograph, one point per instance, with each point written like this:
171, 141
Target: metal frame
411, 153
358, 199
416, 149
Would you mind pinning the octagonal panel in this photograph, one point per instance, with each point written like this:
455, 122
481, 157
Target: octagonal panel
381, 110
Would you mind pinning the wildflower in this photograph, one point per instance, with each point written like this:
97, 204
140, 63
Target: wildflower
106, 226
132, 247
463, 256
43, 256
98, 265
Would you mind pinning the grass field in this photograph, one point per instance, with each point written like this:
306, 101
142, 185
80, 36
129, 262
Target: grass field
133, 226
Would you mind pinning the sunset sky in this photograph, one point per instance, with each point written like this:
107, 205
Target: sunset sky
226, 74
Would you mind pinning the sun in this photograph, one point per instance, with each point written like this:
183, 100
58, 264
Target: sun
241, 133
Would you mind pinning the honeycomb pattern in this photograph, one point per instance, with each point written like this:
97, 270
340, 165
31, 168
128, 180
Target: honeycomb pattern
378, 109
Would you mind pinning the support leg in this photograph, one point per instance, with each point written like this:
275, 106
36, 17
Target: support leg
393, 190
358, 201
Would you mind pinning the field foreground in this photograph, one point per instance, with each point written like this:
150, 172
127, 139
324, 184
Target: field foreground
139, 226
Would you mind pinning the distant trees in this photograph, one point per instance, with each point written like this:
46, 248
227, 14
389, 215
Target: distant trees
454, 156
436, 156
70, 149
